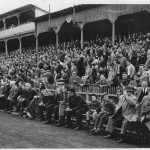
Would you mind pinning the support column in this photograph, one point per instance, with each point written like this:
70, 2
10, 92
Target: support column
113, 33
57, 40
20, 45
56, 31
81, 26
112, 18
4, 21
37, 44
6, 48
82, 38
18, 16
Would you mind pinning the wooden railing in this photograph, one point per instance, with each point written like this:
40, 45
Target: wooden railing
87, 90
91, 88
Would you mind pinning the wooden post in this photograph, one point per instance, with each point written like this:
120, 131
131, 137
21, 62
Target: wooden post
37, 43
20, 45
82, 38
57, 40
6, 48
113, 33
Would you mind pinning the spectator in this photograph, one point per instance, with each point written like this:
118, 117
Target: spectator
124, 113
77, 106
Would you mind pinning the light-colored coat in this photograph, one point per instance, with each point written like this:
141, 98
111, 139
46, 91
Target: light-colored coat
131, 70
128, 106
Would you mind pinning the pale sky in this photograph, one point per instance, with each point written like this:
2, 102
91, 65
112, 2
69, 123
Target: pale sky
7, 5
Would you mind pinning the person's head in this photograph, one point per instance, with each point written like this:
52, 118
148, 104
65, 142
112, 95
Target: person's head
65, 88
124, 75
130, 90
119, 92
144, 84
71, 92
74, 73
102, 77
58, 90
93, 97
128, 62
27, 86
20, 84
138, 54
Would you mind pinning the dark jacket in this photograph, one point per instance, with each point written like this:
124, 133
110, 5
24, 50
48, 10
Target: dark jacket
30, 95
95, 105
77, 102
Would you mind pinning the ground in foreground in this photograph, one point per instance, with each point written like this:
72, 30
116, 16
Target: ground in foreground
23, 133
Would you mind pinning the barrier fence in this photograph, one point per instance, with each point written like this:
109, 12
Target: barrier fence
90, 88
87, 90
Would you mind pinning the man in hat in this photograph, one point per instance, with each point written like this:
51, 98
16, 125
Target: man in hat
124, 112
76, 106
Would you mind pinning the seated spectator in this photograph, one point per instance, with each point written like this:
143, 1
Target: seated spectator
77, 106
94, 108
102, 80
23, 101
52, 106
135, 81
124, 112
62, 106
14, 93
111, 75
130, 69
125, 81
107, 110
74, 79
64, 77
73, 68
32, 109
5, 89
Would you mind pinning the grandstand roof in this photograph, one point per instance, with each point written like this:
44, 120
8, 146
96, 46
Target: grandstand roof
21, 9
67, 11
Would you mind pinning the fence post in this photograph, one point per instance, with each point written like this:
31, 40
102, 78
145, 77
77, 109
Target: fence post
87, 97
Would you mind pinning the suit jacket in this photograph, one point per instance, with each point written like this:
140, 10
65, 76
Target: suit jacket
139, 90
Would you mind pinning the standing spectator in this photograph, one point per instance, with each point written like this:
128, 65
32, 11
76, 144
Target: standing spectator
130, 69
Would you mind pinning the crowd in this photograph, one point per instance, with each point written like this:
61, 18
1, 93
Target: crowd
26, 78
